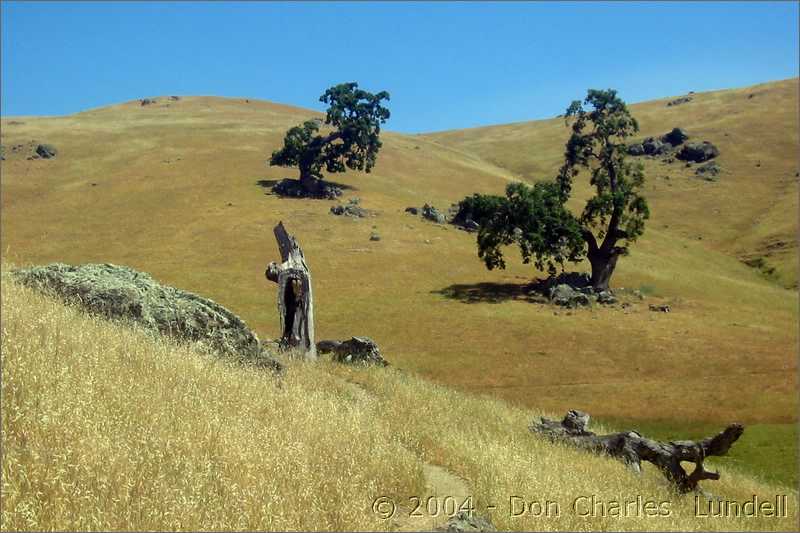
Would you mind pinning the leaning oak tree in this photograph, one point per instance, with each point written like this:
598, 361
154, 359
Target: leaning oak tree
537, 219
356, 117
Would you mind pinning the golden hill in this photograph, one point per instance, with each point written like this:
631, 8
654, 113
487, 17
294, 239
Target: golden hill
751, 212
172, 189
106, 428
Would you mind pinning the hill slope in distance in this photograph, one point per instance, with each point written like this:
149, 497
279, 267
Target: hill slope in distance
172, 188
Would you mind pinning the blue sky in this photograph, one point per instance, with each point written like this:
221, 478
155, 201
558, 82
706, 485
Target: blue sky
446, 65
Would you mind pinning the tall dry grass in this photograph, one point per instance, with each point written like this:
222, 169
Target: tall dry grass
105, 427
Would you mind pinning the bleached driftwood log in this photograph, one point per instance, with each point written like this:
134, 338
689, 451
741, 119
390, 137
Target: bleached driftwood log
632, 448
295, 299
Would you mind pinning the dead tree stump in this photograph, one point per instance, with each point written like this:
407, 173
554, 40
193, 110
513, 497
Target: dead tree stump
295, 299
631, 448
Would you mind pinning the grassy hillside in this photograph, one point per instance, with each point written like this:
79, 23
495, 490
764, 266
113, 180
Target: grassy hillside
107, 428
750, 213
172, 189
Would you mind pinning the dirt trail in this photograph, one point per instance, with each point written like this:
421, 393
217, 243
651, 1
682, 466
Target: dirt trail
443, 490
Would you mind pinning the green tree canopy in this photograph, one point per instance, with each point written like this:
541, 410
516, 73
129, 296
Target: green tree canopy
537, 219
355, 116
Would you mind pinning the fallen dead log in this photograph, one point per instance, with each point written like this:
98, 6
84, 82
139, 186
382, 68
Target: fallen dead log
295, 299
632, 448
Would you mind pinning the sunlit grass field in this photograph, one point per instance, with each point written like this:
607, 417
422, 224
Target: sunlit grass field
105, 427
173, 189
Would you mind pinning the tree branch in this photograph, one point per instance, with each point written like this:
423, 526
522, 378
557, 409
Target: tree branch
632, 448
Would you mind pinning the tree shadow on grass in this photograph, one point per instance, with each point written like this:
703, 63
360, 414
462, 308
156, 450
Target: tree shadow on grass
471, 293
269, 184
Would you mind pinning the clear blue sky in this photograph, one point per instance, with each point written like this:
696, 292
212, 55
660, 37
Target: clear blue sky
446, 65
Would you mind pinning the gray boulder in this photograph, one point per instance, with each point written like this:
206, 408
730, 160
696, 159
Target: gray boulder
653, 146
122, 293
147, 101
567, 296
374, 236
636, 149
675, 137
46, 151
292, 188
463, 522
679, 101
471, 225
709, 171
350, 209
433, 214
606, 297
356, 350
698, 152
412, 210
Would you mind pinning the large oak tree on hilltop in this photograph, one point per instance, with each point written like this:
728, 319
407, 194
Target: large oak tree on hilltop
537, 219
356, 116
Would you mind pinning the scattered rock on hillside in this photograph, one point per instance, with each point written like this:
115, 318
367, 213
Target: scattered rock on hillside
653, 146
119, 292
374, 236
679, 101
293, 189
174, 98
567, 296
663, 145
433, 214
351, 209
636, 149
412, 210
606, 298
147, 101
46, 151
470, 225
709, 171
576, 280
357, 350
663, 308
675, 137
698, 152
2, 153
463, 522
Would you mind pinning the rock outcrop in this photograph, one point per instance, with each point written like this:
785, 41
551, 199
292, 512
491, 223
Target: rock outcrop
357, 350
679, 101
351, 209
292, 188
122, 293
464, 522
46, 151
433, 214
698, 152
709, 171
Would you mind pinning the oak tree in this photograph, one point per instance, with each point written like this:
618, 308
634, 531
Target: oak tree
536, 218
355, 116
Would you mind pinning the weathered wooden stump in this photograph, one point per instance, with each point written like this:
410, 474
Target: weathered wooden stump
295, 299
632, 448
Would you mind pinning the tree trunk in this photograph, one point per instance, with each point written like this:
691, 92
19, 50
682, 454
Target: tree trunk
631, 448
295, 299
310, 183
603, 265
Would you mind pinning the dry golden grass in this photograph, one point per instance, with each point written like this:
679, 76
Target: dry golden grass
752, 209
105, 427
165, 177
